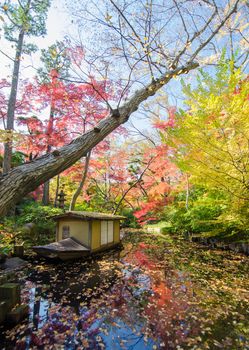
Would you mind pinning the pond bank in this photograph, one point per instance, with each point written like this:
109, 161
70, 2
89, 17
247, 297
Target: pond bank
238, 247
158, 293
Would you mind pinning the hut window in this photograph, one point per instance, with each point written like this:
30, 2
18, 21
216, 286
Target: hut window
106, 232
65, 232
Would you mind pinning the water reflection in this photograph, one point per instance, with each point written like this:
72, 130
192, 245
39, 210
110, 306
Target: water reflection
94, 304
132, 302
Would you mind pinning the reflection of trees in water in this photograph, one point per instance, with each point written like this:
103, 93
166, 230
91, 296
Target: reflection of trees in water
103, 301
108, 314
70, 283
36, 307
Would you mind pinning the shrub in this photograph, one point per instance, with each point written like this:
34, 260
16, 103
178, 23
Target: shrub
202, 214
131, 220
34, 226
6, 240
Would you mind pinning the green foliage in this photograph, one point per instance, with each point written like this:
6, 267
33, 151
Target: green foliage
210, 214
27, 16
131, 220
83, 206
4, 250
29, 48
18, 158
35, 224
55, 57
6, 240
201, 216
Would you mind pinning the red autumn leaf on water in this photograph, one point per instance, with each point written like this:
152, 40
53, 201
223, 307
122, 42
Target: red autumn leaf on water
35, 340
142, 260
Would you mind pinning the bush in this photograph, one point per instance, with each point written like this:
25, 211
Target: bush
131, 220
6, 240
34, 226
201, 216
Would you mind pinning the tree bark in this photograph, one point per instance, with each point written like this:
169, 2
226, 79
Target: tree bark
27, 177
81, 185
57, 190
45, 196
12, 103
187, 192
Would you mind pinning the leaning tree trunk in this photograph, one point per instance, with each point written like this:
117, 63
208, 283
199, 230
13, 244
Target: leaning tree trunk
27, 177
11, 105
81, 184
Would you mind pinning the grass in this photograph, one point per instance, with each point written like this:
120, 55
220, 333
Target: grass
160, 224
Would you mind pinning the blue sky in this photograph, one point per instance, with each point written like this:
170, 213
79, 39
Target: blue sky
58, 25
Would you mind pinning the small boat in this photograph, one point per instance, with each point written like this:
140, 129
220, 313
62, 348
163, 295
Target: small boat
79, 234
65, 249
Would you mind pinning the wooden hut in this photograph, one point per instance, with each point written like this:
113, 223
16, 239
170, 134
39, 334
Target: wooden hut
81, 233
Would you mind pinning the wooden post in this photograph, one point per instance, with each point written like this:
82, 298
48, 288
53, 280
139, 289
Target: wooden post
11, 292
19, 251
4, 308
18, 314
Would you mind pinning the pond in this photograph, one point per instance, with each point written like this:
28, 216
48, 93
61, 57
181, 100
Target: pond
134, 299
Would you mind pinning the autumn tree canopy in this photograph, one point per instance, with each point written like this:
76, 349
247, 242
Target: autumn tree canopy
210, 140
140, 47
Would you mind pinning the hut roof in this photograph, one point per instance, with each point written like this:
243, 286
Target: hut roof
88, 215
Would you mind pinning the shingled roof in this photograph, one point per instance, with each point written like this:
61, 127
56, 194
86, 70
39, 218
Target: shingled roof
88, 215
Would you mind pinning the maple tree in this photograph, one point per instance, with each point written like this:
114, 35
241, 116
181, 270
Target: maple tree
159, 181
56, 64
111, 179
73, 109
129, 176
149, 56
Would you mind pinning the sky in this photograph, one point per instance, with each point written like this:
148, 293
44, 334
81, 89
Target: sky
58, 25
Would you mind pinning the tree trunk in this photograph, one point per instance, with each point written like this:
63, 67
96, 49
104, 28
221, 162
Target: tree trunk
11, 105
57, 190
81, 185
187, 192
27, 177
188, 233
45, 196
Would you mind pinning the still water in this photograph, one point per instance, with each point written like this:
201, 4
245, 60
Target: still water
118, 300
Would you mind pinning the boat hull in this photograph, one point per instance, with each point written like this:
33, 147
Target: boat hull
69, 249
60, 255
65, 249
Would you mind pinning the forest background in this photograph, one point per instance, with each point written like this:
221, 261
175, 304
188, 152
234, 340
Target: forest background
181, 161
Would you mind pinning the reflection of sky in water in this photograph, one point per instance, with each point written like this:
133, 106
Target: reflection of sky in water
104, 302
143, 281
39, 318
130, 338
